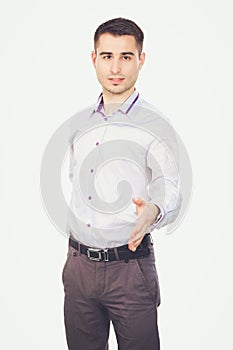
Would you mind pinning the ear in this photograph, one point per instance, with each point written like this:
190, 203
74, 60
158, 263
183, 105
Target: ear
93, 57
142, 59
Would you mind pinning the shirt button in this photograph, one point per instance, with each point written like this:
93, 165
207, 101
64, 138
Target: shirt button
89, 197
97, 143
88, 225
92, 170
105, 118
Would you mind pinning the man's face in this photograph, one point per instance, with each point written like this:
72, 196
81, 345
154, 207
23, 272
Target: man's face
117, 63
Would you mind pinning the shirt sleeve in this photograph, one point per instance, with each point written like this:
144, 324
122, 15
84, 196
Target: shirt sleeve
164, 185
71, 164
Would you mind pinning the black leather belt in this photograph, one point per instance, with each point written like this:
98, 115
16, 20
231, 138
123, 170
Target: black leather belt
111, 254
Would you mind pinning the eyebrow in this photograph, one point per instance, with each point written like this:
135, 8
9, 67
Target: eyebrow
122, 53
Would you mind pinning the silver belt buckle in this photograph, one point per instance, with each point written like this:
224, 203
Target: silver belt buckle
99, 256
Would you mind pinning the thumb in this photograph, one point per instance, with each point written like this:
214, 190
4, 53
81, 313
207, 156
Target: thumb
137, 201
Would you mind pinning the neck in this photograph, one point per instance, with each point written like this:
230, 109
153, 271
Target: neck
113, 101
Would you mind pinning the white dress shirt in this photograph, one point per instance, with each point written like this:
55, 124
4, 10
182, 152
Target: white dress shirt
130, 153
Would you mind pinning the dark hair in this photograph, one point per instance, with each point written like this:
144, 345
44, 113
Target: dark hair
120, 26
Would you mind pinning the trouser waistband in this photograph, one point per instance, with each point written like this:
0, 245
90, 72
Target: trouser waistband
111, 254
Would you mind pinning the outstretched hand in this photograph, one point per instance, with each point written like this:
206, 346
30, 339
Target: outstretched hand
147, 213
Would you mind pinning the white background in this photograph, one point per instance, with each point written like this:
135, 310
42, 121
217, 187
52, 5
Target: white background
46, 77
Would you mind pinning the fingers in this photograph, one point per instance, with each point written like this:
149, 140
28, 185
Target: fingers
144, 212
136, 237
133, 246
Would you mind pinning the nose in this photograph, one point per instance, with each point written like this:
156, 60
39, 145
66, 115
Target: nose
115, 67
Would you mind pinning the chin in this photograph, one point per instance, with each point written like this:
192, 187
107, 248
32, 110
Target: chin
117, 89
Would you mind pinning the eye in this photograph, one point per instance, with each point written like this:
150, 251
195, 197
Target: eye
126, 58
107, 57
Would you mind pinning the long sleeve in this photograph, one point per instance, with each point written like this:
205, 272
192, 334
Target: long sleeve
71, 162
164, 186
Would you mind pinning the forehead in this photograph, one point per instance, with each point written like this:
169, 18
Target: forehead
116, 44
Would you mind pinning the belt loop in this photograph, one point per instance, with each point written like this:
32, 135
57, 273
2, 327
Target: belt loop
151, 239
79, 248
116, 253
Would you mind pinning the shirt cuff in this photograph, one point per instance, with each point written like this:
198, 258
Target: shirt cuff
160, 216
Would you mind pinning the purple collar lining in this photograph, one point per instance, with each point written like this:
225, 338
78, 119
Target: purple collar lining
100, 104
134, 101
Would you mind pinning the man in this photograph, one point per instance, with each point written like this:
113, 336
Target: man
125, 184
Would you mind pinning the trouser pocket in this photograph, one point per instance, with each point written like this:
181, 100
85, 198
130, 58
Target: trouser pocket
148, 273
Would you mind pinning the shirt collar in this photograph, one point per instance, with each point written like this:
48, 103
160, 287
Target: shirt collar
124, 108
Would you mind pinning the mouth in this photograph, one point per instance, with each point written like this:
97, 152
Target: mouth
116, 80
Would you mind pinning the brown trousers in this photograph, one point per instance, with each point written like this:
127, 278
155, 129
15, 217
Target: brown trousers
125, 292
